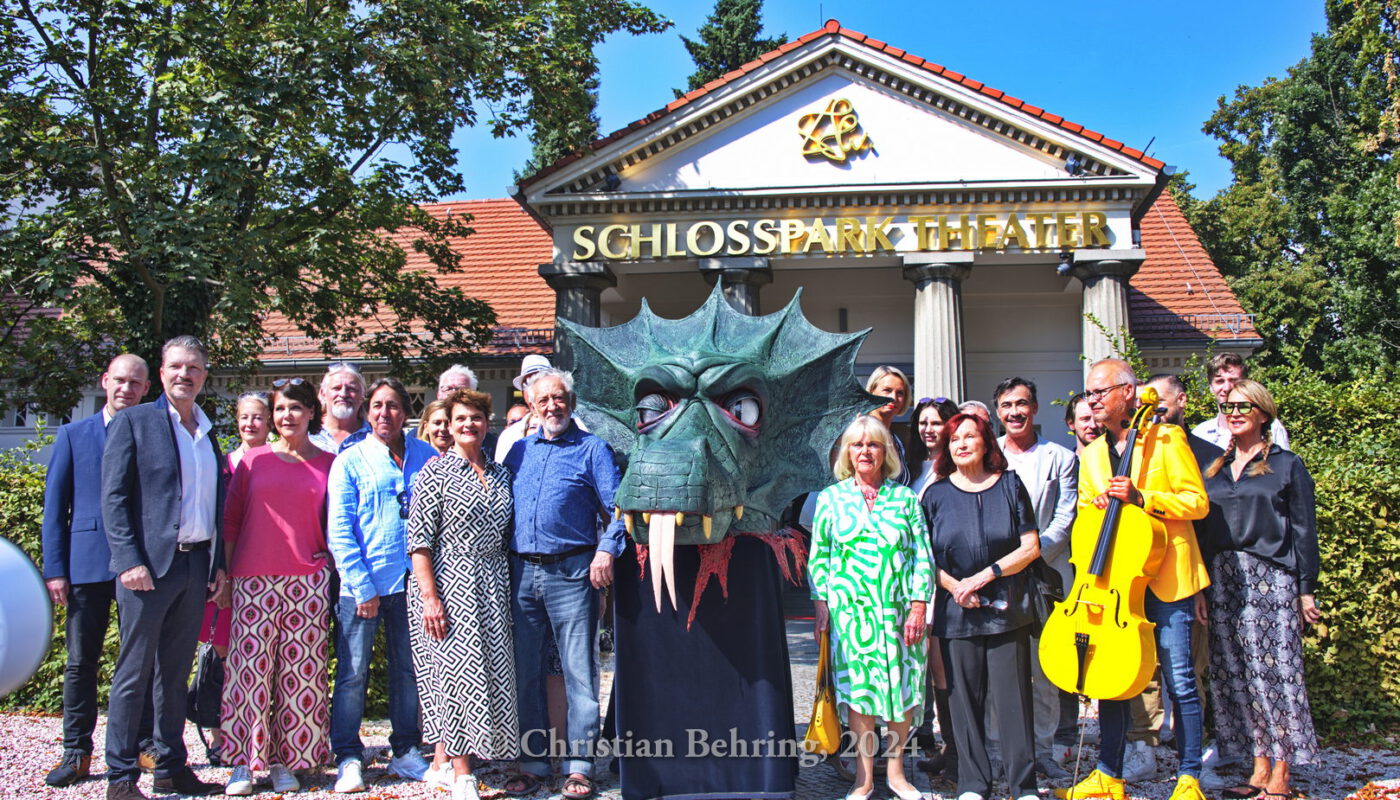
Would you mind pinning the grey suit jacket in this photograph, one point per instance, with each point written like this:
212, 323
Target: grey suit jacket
1053, 483
141, 490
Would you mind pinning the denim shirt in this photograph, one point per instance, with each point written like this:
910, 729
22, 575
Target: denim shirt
365, 528
562, 486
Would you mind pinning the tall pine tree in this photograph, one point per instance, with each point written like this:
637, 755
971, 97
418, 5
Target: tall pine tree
728, 40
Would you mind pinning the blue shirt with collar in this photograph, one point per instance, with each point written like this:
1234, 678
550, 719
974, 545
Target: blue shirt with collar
365, 529
326, 441
563, 487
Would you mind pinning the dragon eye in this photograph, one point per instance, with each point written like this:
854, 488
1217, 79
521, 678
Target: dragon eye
744, 408
651, 408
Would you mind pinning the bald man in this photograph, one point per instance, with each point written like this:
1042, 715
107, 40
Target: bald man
76, 560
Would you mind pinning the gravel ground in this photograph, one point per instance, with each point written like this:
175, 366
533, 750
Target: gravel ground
31, 744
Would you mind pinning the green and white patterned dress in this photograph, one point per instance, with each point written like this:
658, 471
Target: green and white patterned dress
869, 566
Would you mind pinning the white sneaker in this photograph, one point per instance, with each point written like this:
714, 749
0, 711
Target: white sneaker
440, 779
283, 780
1062, 754
350, 776
410, 765
969, 796
1139, 762
464, 787
240, 782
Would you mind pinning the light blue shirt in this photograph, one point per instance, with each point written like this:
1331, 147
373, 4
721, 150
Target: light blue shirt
368, 499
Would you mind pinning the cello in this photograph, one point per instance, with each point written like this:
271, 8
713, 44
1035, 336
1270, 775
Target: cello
1097, 641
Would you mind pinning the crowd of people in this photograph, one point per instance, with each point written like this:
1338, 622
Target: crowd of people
971, 537
484, 557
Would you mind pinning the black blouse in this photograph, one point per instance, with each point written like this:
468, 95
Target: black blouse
1271, 516
970, 530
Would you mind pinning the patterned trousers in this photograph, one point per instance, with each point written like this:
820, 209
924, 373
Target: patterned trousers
275, 708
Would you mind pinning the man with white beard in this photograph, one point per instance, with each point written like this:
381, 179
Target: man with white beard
342, 395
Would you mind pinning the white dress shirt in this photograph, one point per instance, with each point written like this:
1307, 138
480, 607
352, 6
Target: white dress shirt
199, 477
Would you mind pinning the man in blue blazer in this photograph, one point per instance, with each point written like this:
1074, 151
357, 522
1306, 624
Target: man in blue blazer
76, 557
163, 481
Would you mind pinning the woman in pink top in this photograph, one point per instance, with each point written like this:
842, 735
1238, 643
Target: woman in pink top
275, 713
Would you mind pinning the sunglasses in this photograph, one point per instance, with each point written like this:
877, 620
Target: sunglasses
1237, 408
402, 497
939, 400
280, 382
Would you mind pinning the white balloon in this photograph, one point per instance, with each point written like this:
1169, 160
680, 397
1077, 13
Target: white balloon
25, 618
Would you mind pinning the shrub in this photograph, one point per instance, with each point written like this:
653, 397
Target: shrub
21, 518
1347, 436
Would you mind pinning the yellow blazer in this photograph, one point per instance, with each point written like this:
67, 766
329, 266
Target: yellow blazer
1173, 495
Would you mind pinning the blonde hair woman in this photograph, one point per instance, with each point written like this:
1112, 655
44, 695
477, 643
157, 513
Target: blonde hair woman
1261, 547
873, 578
891, 382
434, 427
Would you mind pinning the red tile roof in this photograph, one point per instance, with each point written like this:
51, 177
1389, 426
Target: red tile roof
1179, 293
499, 263
834, 29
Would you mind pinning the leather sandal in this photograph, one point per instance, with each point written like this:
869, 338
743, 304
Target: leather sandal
524, 782
578, 779
1243, 792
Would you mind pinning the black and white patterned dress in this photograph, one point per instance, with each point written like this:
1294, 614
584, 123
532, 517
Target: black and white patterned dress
466, 681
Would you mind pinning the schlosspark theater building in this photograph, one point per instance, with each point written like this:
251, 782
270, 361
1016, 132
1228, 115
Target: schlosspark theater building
976, 235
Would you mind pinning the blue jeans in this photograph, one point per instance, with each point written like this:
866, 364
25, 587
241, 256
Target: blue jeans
558, 597
354, 642
1173, 634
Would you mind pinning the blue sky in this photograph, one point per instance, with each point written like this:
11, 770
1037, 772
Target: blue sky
1130, 70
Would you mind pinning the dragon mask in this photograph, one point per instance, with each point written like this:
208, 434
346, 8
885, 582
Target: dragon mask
723, 418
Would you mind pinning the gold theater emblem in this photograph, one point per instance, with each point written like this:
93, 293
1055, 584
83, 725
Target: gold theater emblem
834, 134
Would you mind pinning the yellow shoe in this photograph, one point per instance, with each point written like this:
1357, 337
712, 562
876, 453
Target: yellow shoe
1096, 785
1187, 788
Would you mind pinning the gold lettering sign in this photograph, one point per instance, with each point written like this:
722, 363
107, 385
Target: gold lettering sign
1023, 230
834, 134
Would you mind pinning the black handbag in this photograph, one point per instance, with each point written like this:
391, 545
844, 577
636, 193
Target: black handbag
204, 700
1043, 582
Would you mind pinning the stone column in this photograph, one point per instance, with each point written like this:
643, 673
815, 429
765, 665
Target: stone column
578, 287
938, 336
1105, 275
739, 278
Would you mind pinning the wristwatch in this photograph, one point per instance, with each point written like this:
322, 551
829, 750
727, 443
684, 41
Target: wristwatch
996, 569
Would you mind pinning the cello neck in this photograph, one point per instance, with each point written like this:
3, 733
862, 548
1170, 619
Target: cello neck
1109, 528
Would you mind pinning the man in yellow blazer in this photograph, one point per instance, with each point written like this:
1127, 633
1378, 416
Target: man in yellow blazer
1166, 483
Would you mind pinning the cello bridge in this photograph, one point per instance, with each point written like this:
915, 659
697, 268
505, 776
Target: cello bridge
1095, 608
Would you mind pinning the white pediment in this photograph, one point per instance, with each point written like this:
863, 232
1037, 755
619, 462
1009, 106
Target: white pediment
910, 143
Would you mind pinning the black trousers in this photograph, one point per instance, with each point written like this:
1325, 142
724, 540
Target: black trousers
977, 667
89, 610
159, 630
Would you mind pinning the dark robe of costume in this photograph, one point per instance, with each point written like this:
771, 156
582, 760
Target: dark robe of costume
724, 680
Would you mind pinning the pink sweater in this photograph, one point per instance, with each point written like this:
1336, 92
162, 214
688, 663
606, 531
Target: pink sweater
275, 514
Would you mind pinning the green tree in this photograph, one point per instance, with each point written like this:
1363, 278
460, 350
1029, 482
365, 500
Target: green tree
172, 166
727, 41
1306, 232
565, 118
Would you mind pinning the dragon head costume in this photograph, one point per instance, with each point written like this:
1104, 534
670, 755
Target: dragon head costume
723, 418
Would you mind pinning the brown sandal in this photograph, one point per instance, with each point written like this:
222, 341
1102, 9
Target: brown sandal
524, 782
578, 779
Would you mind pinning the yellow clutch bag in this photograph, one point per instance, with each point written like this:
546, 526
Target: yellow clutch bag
824, 730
